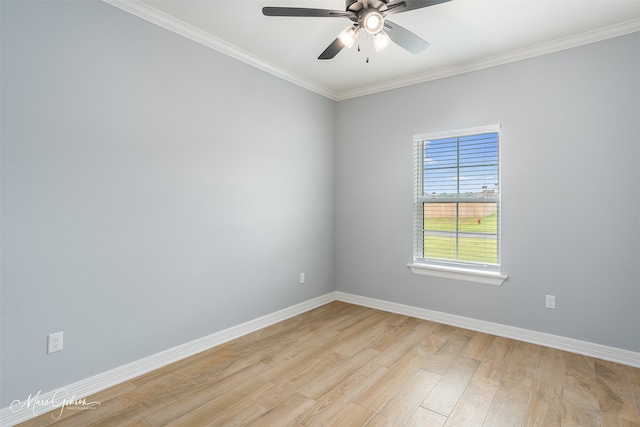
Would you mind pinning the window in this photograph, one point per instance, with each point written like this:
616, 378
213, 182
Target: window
457, 205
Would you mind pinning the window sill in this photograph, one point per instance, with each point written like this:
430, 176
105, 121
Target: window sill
467, 275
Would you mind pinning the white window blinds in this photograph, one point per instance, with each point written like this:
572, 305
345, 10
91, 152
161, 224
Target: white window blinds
457, 198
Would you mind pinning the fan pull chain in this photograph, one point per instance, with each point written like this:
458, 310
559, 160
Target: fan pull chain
366, 49
367, 58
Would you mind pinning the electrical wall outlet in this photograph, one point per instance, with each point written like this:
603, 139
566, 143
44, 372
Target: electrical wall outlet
301, 277
550, 301
54, 342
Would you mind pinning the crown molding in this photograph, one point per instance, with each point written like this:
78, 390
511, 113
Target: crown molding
569, 42
170, 23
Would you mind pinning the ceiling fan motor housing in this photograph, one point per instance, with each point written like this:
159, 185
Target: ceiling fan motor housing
348, 3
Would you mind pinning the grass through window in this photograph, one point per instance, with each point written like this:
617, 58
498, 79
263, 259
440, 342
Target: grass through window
476, 239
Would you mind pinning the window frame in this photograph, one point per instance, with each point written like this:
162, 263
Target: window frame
451, 269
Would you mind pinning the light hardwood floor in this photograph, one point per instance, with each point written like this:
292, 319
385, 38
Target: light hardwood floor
346, 365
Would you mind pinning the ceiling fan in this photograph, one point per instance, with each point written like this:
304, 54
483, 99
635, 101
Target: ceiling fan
369, 15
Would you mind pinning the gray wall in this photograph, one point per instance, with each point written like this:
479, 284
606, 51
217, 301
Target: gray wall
570, 192
154, 191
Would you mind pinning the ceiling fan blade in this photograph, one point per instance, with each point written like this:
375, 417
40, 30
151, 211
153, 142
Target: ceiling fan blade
404, 38
302, 11
406, 5
332, 50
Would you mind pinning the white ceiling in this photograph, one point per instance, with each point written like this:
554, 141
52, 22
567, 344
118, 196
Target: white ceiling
464, 35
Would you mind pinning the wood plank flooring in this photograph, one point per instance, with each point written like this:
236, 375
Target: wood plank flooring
346, 365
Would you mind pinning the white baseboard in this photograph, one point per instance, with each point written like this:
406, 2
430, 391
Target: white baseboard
585, 348
92, 385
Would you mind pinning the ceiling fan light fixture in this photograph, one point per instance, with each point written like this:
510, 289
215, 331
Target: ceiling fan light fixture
368, 15
372, 21
380, 41
349, 35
